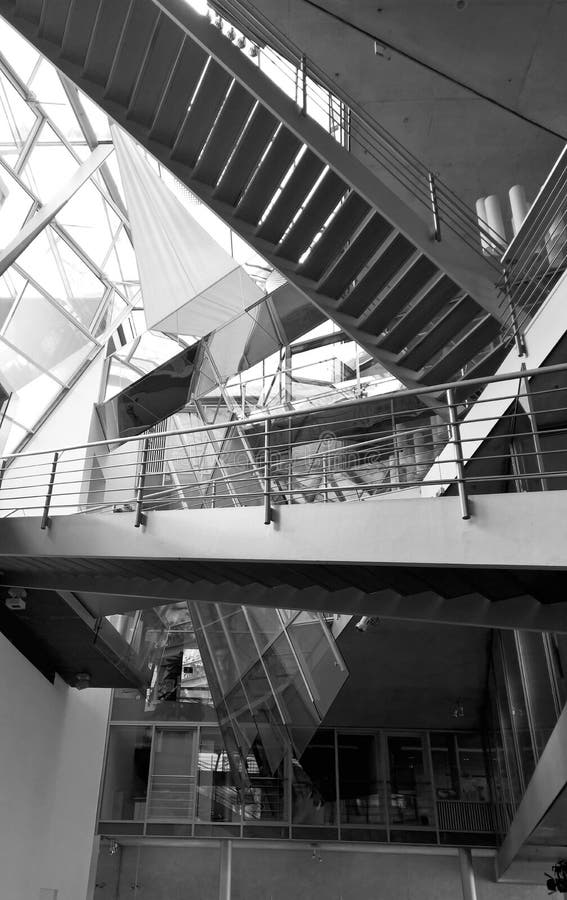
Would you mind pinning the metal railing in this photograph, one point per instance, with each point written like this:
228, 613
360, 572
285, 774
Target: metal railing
465, 816
354, 451
316, 95
525, 272
537, 257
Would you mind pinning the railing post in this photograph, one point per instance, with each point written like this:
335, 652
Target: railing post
143, 466
326, 478
456, 439
3, 470
534, 429
267, 476
434, 207
303, 72
518, 336
45, 517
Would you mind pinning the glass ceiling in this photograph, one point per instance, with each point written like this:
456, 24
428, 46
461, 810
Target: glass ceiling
74, 292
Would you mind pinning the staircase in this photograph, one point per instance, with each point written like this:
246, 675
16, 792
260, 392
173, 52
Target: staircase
423, 308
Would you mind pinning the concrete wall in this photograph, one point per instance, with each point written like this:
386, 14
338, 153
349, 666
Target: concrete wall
51, 751
191, 873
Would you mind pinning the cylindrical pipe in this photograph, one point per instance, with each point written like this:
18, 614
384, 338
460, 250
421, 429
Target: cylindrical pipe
482, 224
467, 874
267, 476
494, 220
225, 874
519, 206
456, 440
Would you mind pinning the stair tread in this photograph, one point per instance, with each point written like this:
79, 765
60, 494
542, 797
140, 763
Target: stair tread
157, 67
390, 261
131, 52
104, 40
255, 139
465, 349
225, 133
79, 28
364, 245
302, 180
410, 284
268, 176
178, 91
202, 114
441, 333
335, 236
320, 206
433, 301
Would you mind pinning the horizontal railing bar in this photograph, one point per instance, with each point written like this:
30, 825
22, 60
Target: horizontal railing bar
363, 401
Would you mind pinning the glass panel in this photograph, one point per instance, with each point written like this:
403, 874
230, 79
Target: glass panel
16, 371
472, 769
16, 120
19, 54
290, 687
558, 645
314, 787
48, 89
172, 785
512, 763
266, 624
217, 797
518, 707
95, 234
266, 798
360, 785
445, 768
49, 166
15, 205
411, 801
126, 773
538, 684
45, 335
317, 659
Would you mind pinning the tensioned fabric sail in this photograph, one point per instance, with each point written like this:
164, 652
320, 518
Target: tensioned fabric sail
190, 285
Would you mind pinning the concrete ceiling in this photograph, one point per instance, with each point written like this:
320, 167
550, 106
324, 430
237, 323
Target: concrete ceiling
410, 675
510, 50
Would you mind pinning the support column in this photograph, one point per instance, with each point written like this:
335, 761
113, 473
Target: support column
225, 871
467, 874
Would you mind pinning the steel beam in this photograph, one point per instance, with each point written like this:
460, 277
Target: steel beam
47, 213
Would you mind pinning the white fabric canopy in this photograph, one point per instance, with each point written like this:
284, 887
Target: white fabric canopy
190, 285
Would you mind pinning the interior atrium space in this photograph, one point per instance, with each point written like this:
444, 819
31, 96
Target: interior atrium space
283, 450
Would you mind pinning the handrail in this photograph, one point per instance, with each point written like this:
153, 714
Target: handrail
428, 391
349, 451
373, 138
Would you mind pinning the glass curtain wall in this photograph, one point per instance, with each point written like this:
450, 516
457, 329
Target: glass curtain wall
176, 779
526, 695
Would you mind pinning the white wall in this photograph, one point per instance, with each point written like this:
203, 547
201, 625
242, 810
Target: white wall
51, 752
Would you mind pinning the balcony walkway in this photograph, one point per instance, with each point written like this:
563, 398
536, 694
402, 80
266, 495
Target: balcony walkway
410, 558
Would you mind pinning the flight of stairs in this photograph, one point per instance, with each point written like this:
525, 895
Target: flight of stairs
425, 310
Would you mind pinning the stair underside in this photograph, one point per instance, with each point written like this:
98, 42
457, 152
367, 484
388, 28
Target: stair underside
277, 179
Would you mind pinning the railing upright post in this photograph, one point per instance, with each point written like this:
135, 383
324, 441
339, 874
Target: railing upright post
434, 207
518, 336
303, 71
3, 470
45, 517
143, 467
267, 476
456, 439
326, 477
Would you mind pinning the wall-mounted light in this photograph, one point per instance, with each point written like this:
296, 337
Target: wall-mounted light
16, 599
